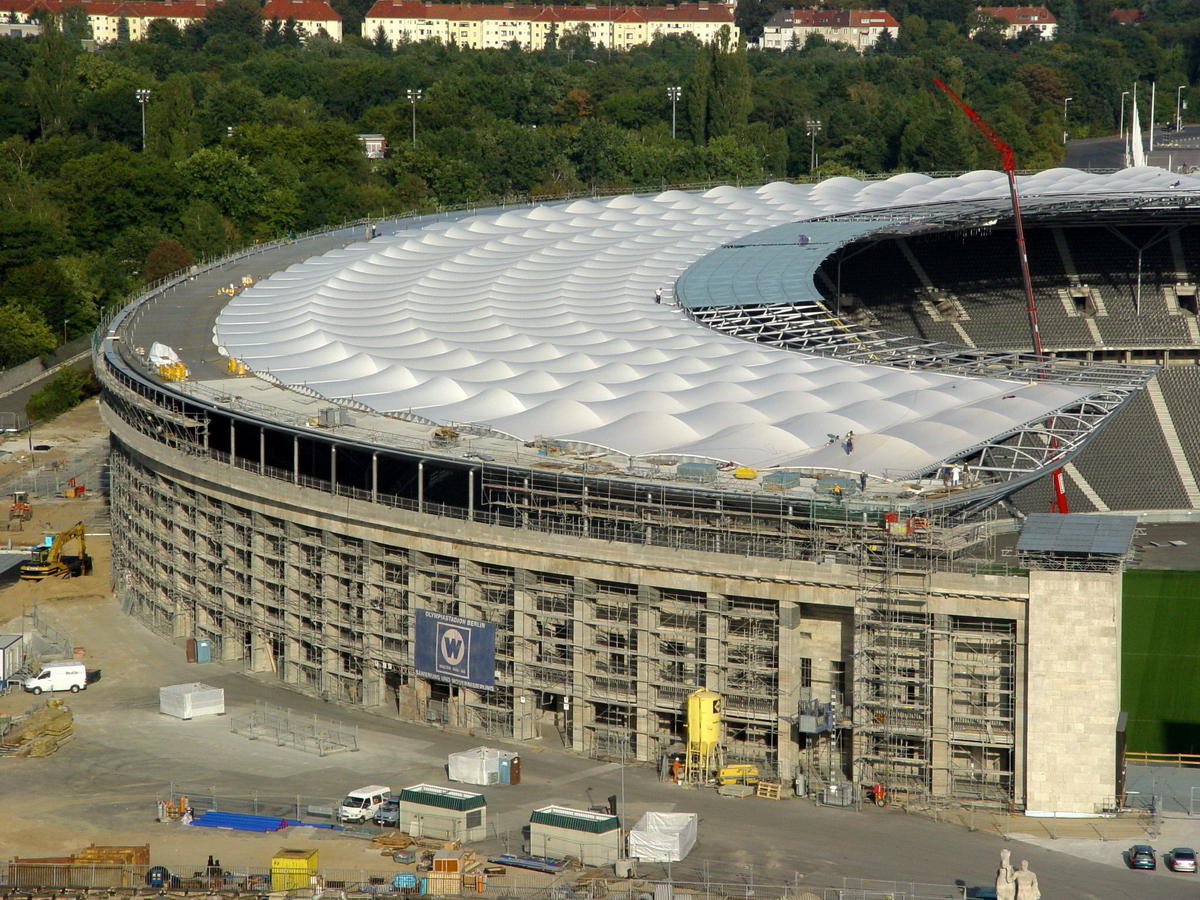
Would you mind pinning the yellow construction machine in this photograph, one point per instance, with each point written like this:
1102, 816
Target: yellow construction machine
21, 510
48, 561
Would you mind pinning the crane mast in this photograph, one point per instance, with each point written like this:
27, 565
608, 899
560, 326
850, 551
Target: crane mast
1009, 164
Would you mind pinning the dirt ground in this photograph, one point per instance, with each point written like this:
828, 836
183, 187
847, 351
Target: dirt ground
74, 435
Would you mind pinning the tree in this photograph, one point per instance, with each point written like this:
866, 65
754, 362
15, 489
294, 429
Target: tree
203, 229
224, 179
291, 33
166, 257
172, 131
235, 18
22, 336
51, 83
122, 30
718, 97
381, 43
43, 290
166, 32
273, 36
65, 392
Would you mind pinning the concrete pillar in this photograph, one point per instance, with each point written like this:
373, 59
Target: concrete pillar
262, 450
333, 468
232, 442
374, 476
1073, 690
421, 486
789, 686
939, 687
296, 459
471, 495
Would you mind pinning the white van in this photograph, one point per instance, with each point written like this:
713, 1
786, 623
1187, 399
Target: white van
58, 676
361, 805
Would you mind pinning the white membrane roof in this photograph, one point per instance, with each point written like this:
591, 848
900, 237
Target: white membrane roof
541, 322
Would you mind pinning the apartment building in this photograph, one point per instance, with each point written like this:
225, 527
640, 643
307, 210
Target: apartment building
1017, 19
493, 26
857, 28
105, 16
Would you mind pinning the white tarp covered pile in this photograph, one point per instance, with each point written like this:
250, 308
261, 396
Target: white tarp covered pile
162, 355
663, 837
478, 766
189, 701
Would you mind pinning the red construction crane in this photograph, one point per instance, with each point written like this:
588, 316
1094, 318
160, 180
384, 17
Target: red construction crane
1009, 164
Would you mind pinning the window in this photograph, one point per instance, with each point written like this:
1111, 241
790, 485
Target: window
474, 818
838, 670
805, 672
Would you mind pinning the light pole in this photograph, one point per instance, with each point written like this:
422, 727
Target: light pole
813, 127
1124, 94
1179, 107
673, 93
1066, 100
414, 97
66, 322
143, 97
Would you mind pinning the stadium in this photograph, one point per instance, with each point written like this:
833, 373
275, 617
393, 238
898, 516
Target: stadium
470, 472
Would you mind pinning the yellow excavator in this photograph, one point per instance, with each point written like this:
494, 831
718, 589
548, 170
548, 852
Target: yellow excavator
47, 561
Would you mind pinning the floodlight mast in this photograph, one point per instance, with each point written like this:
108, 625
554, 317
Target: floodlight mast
1009, 163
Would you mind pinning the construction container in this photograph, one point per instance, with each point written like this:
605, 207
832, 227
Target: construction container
293, 870
203, 650
427, 810
12, 656
191, 701
446, 879
702, 473
781, 481
557, 832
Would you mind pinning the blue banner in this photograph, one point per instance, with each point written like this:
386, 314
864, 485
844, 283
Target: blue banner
460, 651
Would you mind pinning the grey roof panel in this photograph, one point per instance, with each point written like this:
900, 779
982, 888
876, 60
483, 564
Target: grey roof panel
1077, 533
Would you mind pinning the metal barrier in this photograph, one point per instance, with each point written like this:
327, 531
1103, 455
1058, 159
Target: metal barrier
352, 884
302, 732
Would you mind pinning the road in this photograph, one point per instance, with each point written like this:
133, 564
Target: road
1171, 151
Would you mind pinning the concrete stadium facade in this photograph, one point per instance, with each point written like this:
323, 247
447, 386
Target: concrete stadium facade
306, 547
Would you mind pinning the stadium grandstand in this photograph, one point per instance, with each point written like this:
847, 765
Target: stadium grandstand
779, 480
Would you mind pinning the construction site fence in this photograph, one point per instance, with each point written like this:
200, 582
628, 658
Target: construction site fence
205, 797
28, 875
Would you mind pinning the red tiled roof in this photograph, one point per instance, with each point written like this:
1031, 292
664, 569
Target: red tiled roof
872, 18
300, 10
1126, 16
129, 9
1020, 15
459, 12
689, 12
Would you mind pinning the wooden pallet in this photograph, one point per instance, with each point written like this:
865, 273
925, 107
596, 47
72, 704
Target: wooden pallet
768, 790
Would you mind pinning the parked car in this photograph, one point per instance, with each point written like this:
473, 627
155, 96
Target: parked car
1141, 856
1182, 859
361, 805
389, 814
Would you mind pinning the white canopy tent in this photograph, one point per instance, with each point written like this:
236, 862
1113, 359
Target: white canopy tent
663, 837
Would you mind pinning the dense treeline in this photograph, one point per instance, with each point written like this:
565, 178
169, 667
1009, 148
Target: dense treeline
249, 135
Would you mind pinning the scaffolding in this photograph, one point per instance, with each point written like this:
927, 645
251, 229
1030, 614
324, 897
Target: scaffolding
934, 694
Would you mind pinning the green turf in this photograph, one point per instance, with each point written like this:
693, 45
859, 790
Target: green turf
1160, 660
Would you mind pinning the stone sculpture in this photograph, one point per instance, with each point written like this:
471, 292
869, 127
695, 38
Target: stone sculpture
1027, 886
1006, 886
